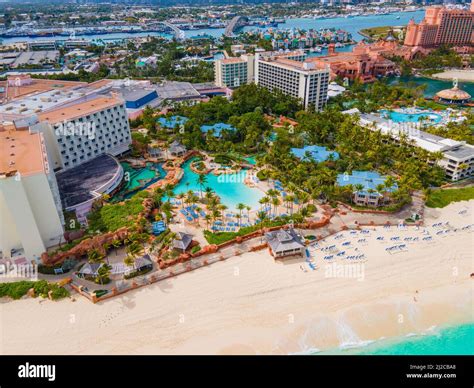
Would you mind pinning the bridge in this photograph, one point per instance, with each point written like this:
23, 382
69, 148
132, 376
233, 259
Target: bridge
178, 34
236, 23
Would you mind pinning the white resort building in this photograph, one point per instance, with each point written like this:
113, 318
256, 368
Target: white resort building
286, 71
458, 156
31, 217
236, 71
58, 143
290, 73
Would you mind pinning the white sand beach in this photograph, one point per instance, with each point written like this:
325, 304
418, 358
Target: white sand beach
461, 75
253, 305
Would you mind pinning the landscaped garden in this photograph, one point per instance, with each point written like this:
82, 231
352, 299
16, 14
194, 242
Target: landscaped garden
443, 197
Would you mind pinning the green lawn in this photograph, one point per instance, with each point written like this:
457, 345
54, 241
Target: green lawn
442, 198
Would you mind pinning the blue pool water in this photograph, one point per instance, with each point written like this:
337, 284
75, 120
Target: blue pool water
400, 117
230, 187
251, 160
451, 340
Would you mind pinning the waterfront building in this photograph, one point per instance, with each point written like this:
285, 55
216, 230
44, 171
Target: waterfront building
59, 144
365, 184
177, 149
458, 156
236, 71
294, 75
31, 217
282, 243
442, 26
42, 45
85, 130
365, 63
182, 241
40, 59
453, 95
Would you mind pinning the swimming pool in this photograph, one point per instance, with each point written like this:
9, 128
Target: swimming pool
412, 117
138, 179
229, 187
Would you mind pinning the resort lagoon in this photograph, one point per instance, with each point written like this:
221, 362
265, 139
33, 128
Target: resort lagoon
432, 86
229, 187
138, 178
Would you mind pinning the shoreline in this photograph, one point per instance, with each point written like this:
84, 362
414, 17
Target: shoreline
251, 304
449, 75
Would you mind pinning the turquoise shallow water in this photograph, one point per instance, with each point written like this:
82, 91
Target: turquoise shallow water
139, 179
433, 86
452, 340
230, 187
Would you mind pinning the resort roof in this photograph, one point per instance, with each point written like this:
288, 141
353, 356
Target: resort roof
37, 86
369, 179
182, 240
82, 183
422, 139
90, 269
217, 128
21, 151
79, 110
176, 146
172, 121
284, 240
317, 153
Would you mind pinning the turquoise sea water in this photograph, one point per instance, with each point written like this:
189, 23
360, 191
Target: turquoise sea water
352, 25
451, 340
230, 187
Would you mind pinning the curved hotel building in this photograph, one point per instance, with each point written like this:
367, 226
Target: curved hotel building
55, 142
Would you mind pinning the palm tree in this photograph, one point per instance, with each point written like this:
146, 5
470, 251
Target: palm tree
239, 217
262, 216
134, 249
240, 207
248, 208
181, 196
207, 218
304, 212
103, 274
222, 208
168, 190
94, 256
116, 244
201, 181
275, 203
291, 201
263, 201
359, 187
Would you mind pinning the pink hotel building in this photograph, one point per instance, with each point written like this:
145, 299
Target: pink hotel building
442, 26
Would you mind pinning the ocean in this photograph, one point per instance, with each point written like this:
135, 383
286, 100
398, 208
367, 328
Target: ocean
449, 340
